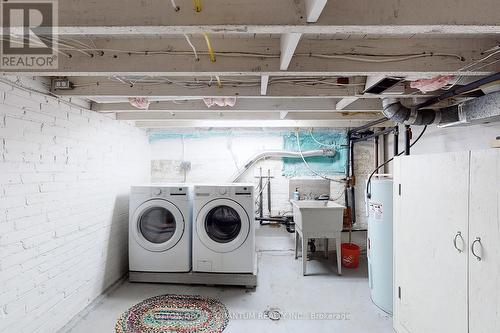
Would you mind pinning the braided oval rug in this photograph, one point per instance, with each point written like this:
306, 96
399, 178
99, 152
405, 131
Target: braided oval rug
174, 313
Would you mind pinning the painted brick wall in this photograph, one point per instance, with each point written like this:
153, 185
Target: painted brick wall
65, 174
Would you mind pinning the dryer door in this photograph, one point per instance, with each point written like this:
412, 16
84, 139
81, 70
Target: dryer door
222, 225
159, 225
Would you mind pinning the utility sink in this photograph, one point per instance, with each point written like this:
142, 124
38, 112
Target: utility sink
317, 217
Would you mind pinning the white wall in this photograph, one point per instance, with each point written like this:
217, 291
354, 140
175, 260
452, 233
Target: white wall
451, 139
64, 181
215, 158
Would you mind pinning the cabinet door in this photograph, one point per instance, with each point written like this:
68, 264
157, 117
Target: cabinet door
431, 278
484, 275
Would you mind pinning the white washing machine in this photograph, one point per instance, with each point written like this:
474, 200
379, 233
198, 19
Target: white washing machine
160, 229
223, 228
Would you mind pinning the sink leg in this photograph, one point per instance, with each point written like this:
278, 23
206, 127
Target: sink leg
296, 244
304, 254
338, 240
326, 248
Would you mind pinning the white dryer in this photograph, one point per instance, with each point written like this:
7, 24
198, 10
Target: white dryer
160, 229
224, 232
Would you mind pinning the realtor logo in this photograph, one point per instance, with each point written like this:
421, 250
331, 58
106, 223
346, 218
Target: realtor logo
29, 36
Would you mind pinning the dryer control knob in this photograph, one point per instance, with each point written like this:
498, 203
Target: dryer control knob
157, 191
223, 191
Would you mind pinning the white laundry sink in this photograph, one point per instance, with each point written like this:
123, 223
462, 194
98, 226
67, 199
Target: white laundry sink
318, 217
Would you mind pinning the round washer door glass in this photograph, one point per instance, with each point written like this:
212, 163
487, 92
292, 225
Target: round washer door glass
223, 224
157, 225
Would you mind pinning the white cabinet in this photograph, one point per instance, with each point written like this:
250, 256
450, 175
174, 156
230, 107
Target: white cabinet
442, 202
484, 230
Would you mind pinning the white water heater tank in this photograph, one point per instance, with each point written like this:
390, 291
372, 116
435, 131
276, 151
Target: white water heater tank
380, 242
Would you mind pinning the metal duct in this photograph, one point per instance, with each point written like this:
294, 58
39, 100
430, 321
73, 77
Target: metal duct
479, 110
279, 154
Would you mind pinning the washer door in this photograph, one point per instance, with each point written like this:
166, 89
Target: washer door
159, 225
222, 225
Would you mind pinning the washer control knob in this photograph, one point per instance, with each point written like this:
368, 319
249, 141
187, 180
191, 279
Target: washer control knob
222, 191
157, 191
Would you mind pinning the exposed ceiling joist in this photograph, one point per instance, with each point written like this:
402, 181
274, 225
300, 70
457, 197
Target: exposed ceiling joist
277, 16
214, 115
255, 57
314, 9
264, 81
156, 124
100, 86
345, 102
326, 105
288, 44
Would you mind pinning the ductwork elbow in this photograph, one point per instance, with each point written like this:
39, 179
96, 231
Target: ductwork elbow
394, 110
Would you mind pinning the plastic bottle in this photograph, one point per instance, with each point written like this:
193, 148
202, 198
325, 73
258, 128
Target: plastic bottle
296, 194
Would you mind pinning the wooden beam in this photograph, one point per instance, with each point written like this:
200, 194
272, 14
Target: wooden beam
363, 17
289, 42
240, 57
314, 9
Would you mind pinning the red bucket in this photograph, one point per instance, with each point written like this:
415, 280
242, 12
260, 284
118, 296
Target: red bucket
350, 255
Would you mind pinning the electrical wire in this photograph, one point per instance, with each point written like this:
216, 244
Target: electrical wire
343, 56
411, 57
192, 47
197, 5
473, 64
389, 160
211, 52
174, 5
307, 164
320, 143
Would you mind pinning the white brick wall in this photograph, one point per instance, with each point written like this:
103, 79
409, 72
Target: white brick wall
65, 174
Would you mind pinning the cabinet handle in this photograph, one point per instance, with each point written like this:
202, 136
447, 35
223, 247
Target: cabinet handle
459, 234
477, 240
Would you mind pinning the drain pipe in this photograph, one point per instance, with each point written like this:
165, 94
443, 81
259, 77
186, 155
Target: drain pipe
408, 134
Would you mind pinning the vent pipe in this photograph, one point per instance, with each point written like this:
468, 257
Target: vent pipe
482, 109
479, 110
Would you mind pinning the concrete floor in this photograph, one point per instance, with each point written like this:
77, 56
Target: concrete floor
281, 286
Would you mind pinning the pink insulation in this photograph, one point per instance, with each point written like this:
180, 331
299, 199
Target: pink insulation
223, 101
435, 83
139, 102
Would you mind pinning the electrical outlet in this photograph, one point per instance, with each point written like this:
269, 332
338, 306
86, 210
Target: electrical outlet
62, 84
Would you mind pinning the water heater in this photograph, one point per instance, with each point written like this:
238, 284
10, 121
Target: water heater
380, 242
